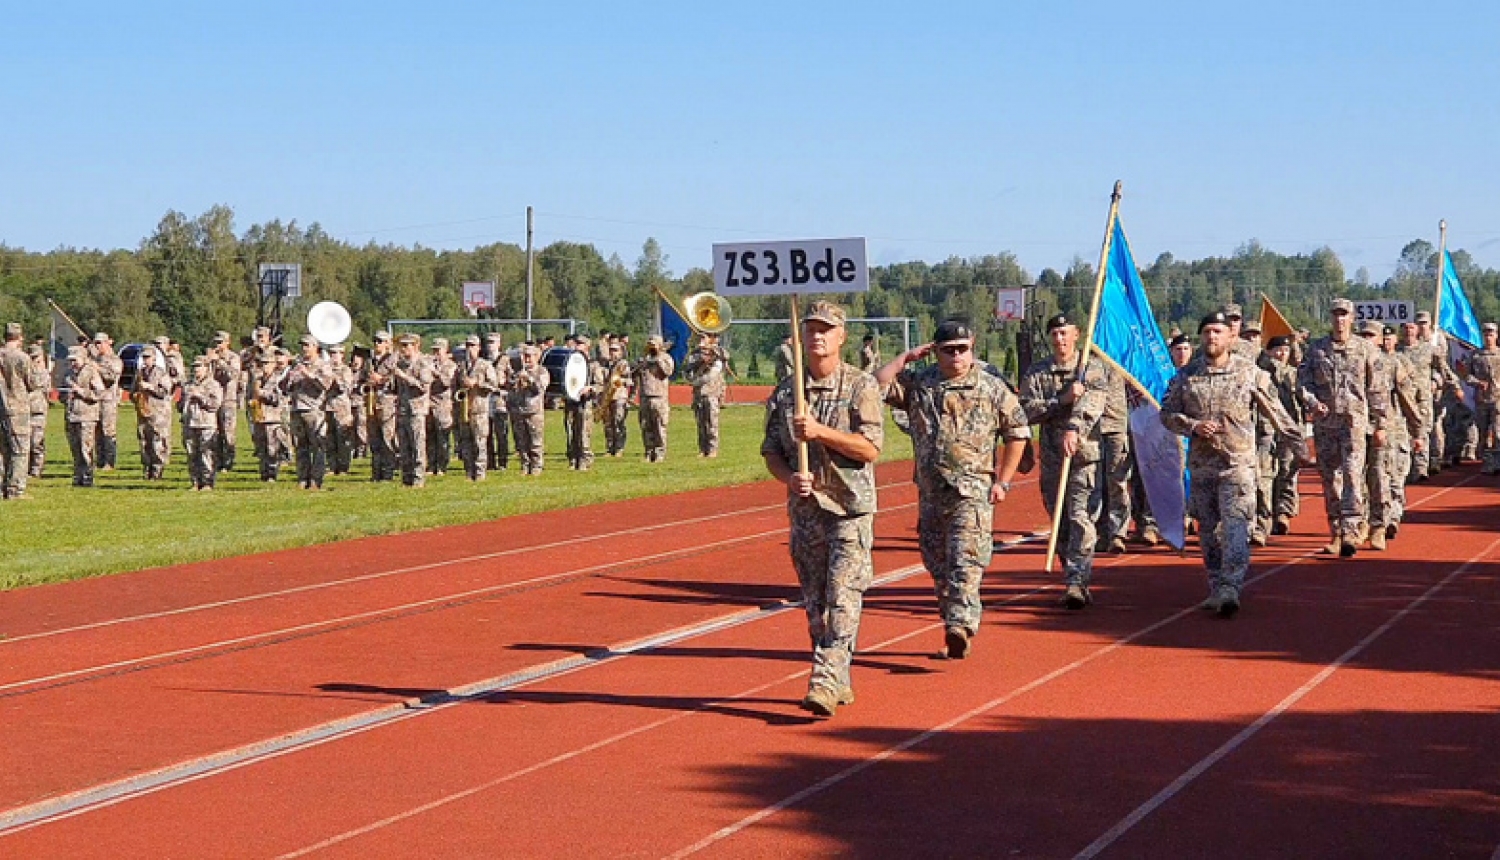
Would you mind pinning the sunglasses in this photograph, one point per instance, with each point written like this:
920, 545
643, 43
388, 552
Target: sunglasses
954, 349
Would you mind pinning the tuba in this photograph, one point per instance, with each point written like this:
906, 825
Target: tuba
708, 313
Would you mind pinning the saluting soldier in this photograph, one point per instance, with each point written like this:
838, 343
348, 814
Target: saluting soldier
1405, 435
153, 413
705, 370
339, 409
16, 385
41, 387
267, 403
475, 383
412, 373
378, 377
1381, 457
968, 432
653, 375
526, 403
1341, 390
306, 385
499, 444
1484, 375
831, 506
617, 394
579, 414
1214, 402
440, 408
227, 371
110, 368
1066, 398
201, 400
85, 389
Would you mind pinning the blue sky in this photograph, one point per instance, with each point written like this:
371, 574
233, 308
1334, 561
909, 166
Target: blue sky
934, 129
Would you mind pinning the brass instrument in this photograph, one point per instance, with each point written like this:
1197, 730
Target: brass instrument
461, 397
612, 386
142, 402
707, 312
368, 392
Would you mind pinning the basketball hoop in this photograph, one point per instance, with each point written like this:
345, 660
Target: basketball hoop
477, 295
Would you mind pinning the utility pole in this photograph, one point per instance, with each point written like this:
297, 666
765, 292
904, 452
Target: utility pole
529, 258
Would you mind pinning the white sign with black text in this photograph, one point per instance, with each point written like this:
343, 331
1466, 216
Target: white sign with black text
803, 266
1393, 313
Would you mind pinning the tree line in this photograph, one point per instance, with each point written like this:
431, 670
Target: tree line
194, 275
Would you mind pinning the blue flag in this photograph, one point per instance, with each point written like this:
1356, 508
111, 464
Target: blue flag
1455, 314
1127, 334
675, 331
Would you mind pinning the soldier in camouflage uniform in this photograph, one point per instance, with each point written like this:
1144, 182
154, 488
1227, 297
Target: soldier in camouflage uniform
306, 385
41, 386
831, 506
1341, 390
110, 366
653, 374
153, 393
250, 371
339, 408
526, 400
475, 382
381, 427
1381, 458
85, 389
1214, 402
267, 402
580, 413
412, 375
227, 372
440, 409
1068, 410
705, 370
1434, 378
1285, 501
968, 432
1484, 375
1406, 435
499, 450
201, 399
16, 384
617, 393
1114, 464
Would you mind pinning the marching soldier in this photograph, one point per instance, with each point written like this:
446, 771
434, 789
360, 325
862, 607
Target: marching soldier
475, 381
1381, 457
201, 400
412, 373
16, 385
306, 385
1405, 435
1067, 402
653, 375
705, 370
1435, 388
1114, 464
339, 409
579, 414
968, 432
525, 403
382, 425
284, 429
41, 387
1341, 390
110, 368
1285, 501
1214, 402
1484, 375
227, 371
617, 400
250, 370
440, 408
85, 389
267, 402
499, 445
153, 413
831, 506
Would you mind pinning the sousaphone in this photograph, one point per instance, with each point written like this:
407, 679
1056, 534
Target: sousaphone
330, 323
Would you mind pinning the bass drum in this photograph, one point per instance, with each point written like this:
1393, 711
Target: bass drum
567, 371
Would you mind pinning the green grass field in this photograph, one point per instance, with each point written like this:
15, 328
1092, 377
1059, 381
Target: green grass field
127, 523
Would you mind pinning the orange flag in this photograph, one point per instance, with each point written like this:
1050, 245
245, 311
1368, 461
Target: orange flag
1272, 323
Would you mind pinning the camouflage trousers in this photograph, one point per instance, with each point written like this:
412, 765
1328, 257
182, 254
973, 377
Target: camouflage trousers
15, 451
201, 445
107, 445
361, 429
155, 434
616, 431
1223, 503
1379, 460
1421, 460
1075, 541
578, 421
1287, 503
267, 439
310, 436
1114, 485
654, 417
499, 450
1400, 467
384, 445
228, 429
38, 445
1437, 442
1460, 434
411, 449
1487, 423
957, 542
832, 557
1265, 487
341, 441
1341, 462
473, 442
439, 438
529, 429
81, 437
706, 414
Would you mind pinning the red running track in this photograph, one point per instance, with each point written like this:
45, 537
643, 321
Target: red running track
1350, 710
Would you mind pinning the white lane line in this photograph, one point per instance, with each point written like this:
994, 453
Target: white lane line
1110, 836
333, 583
109, 794
915, 740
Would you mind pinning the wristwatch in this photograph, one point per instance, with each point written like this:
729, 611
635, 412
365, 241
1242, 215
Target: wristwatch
1005, 486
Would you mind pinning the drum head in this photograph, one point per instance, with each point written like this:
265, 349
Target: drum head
569, 371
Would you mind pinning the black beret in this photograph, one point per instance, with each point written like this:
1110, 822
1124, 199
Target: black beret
1058, 322
1181, 338
951, 330
1215, 318
1278, 340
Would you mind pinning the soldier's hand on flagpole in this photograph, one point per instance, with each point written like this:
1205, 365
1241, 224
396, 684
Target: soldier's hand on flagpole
1206, 429
806, 428
1071, 394
1379, 438
801, 483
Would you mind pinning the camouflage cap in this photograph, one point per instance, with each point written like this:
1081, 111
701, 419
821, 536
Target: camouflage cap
1490, 327
201, 361
382, 335
77, 353
1231, 311
260, 329
440, 343
13, 331
824, 312
338, 348
493, 337
1341, 306
308, 340
101, 337
35, 351
1369, 328
471, 340
160, 340
1423, 317
221, 337
409, 340
656, 340
1252, 326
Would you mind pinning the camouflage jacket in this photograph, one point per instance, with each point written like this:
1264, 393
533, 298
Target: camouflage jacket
342, 393
706, 375
86, 388
1231, 395
956, 426
41, 386
654, 373
15, 384
441, 389
200, 404
1427, 363
306, 384
1484, 374
1040, 388
1399, 376
413, 380
848, 400
1344, 378
1116, 416
528, 390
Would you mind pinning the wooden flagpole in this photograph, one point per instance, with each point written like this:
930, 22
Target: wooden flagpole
1083, 358
1437, 302
799, 392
